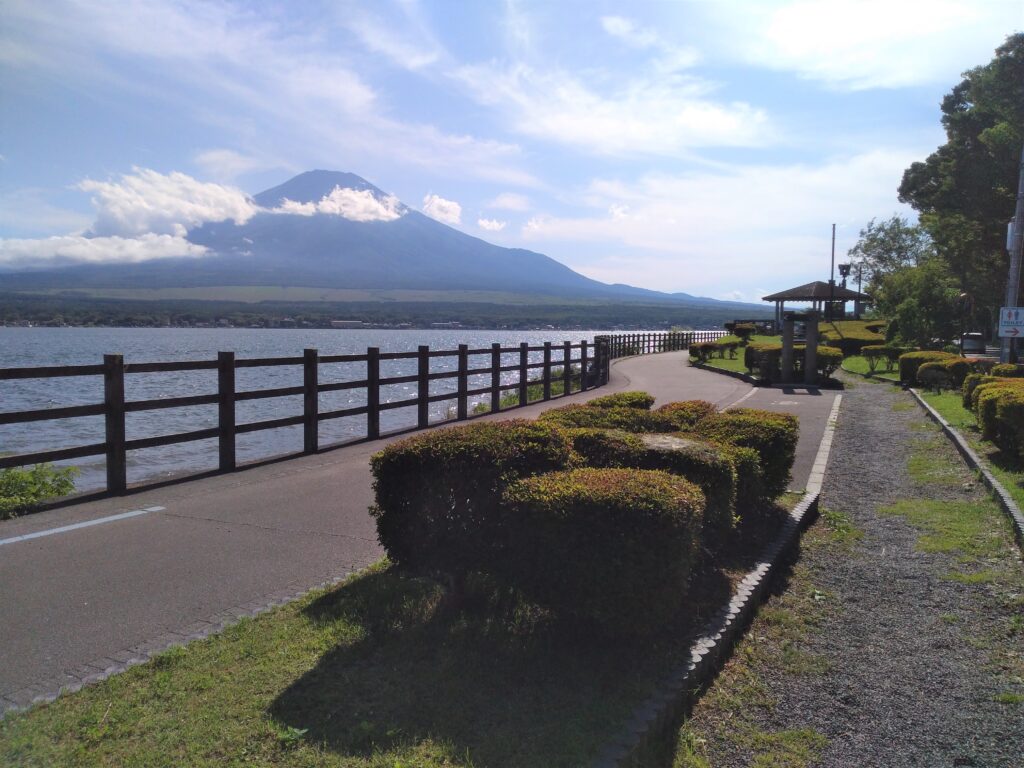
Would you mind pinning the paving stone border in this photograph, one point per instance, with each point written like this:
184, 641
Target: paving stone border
657, 719
1002, 496
71, 680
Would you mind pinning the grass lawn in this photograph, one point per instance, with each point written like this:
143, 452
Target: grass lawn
377, 672
859, 365
736, 364
1008, 469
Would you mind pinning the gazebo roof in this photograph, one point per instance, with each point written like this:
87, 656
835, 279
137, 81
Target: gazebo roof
817, 291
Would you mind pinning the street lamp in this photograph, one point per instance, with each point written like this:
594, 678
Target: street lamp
844, 271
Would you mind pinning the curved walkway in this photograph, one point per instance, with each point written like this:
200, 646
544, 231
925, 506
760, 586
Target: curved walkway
190, 557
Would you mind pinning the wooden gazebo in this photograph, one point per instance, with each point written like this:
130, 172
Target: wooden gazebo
818, 294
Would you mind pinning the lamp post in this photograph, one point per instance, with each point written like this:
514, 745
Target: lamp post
832, 277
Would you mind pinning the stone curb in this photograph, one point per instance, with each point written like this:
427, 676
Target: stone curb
658, 718
71, 680
753, 381
1002, 496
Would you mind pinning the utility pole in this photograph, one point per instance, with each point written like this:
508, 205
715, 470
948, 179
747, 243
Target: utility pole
1014, 244
832, 278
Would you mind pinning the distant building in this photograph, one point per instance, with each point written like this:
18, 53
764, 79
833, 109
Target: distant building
347, 324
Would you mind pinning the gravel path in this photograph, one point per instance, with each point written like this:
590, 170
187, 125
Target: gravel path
914, 672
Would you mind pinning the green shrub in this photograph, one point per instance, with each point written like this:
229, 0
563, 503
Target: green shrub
744, 331
983, 365
684, 414
772, 435
958, 368
610, 548
703, 351
970, 383
437, 493
985, 401
934, 376
623, 400
1010, 420
1008, 370
850, 336
765, 360
911, 361
708, 465
21, 490
828, 360
627, 419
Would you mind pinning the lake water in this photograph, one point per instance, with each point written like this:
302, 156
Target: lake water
86, 346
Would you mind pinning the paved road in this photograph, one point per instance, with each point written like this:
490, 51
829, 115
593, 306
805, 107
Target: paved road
200, 553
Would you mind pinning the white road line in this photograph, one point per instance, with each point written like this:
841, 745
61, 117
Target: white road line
76, 526
751, 393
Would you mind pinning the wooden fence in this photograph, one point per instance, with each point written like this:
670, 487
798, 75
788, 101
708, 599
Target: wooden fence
576, 366
626, 344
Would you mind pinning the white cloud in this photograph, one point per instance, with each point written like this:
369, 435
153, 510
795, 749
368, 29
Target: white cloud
410, 47
351, 204
861, 44
146, 201
491, 225
438, 208
711, 232
657, 114
510, 201
72, 249
227, 164
627, 30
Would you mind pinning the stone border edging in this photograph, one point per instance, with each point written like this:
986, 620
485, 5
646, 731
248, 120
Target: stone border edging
660, 715
72, 680
1003, 497
753, 381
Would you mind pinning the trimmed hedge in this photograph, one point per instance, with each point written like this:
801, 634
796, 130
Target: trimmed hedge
772, 435
851, 336
623, 400
934, 375
970, 383
1008, 370
627, 419
610, 548
765, 360
959, 368
436, 493
710, 466
911, 361
684, 414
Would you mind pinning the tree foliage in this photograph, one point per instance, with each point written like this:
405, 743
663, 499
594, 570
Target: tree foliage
965, 191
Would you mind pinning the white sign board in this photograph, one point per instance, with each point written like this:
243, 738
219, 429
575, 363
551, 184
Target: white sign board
1011, 322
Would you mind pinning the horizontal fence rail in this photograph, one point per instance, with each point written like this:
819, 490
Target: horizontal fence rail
573, 367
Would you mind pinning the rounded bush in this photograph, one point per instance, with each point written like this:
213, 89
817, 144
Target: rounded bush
828, 360
627, 419
437, 493
934, 376
971, 381
772, 435
684, 414
1008, 370
911, 361
708, 465
959, 368
611, 548
640, 400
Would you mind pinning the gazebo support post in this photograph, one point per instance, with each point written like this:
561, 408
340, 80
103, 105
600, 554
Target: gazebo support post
787, 348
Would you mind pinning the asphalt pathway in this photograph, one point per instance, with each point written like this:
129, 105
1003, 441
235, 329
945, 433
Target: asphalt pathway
81, 603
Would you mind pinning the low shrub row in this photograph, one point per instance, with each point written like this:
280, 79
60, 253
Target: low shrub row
909, 362
851, 336
592, 521
764, 359
877, 354
947, 370
705, 350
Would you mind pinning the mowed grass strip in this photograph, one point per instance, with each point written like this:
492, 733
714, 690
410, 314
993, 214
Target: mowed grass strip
371, 673
379, 672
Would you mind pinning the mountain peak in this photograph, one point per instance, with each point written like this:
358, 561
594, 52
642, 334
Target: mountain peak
313, 186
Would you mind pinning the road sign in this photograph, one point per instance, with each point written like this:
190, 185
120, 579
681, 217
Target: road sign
1011, 322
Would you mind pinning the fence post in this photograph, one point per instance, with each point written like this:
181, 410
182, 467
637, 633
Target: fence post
583, 365
601, 360
113, 399
495, 377
524, 360
547, 370
373, 392
310, 398
567, 367
462, 405
423, 388
226, 409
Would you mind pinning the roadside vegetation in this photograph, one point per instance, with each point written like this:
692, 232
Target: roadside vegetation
23, 489
474, 643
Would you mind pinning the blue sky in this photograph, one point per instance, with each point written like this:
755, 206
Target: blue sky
693, 146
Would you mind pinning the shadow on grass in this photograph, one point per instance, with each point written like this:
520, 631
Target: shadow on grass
505, 686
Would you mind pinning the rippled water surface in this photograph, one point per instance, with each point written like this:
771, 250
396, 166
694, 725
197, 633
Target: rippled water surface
86, 346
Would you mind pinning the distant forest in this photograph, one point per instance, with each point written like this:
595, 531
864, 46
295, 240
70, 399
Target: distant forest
20, 309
